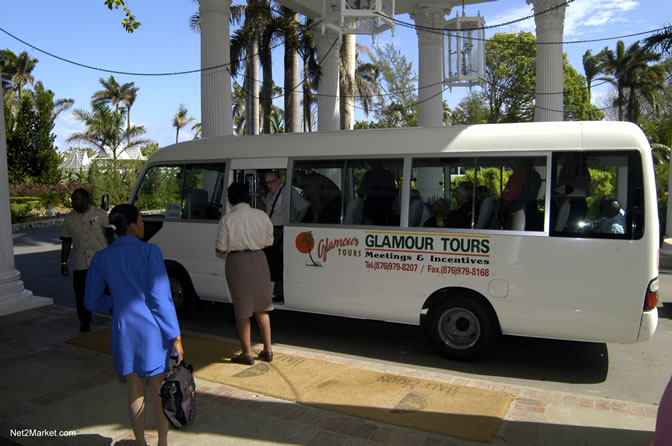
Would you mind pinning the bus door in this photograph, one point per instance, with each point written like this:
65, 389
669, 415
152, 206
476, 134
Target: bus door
252, 171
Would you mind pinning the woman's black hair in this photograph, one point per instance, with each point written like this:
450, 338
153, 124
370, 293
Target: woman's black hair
238, 193
121, 216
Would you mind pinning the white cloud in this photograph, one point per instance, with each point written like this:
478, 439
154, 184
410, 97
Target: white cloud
587, 16
581, 17
510, 15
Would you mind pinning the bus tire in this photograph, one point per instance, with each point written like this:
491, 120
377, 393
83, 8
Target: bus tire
181, 291
462, 328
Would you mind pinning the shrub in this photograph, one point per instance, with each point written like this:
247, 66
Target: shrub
113, 177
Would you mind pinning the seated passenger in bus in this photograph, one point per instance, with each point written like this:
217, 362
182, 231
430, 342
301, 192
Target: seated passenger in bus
324, 198
612, 217
460, 217
379, 190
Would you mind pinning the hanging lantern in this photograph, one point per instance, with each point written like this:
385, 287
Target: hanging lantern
358, 16
464, 51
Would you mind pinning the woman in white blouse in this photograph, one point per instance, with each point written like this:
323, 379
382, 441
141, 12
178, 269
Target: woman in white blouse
242, 235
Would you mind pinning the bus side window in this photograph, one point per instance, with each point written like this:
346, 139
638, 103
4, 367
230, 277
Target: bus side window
377, 184
316, 195
160, 192
351, 192
203, 193
596, 195
191, 192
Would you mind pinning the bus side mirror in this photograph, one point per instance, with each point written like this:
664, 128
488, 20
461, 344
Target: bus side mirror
105, 202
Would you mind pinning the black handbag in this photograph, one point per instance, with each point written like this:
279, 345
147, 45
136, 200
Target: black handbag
178, 397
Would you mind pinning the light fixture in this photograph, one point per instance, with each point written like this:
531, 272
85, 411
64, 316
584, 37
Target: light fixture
358, 16
464, 51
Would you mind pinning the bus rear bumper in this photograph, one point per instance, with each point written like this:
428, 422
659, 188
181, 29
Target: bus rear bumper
648, 325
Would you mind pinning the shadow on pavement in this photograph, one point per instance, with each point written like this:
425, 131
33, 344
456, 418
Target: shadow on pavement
665, 311
515, 357
38, 237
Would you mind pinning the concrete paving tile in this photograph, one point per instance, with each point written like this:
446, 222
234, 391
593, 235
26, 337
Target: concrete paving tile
582, 416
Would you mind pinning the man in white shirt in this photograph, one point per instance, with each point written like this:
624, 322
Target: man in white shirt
84, 231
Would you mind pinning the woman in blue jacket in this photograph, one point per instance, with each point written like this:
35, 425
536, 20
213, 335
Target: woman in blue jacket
145, 331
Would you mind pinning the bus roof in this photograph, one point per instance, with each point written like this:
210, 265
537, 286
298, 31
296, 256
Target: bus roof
486, 138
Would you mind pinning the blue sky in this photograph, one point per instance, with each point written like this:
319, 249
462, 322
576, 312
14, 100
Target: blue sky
86, 32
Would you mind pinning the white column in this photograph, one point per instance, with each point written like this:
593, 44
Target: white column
549, 99
328, 52
430, 67
216, 112
13, 297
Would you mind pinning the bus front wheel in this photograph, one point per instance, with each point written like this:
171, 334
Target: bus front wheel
180, 288
462, 328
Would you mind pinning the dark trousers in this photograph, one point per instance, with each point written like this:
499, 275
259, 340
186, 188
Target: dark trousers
275, 263
79, 283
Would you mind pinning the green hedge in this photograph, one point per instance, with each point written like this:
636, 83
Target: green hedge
114, 178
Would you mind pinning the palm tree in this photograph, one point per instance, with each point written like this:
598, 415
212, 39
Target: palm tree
106, 131
245, 48
660, 153
180, 120
311, 73
591, 68
268, 27
645, 82
61, 105
290, 29
660, 41
113, 93
358, 82
626, 70
16, 71
198, 130
258, 30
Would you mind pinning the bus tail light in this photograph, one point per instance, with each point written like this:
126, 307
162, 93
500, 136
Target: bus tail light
651, 300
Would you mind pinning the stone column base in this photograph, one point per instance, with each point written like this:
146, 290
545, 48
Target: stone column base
15, 298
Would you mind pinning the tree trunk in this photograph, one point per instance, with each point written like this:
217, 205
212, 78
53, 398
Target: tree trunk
307, 101
292, 93
347, 80
266, 55
252, 89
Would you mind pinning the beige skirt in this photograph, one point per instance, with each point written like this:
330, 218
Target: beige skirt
249, 283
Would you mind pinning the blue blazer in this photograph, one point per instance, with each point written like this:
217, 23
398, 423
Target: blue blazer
144, 322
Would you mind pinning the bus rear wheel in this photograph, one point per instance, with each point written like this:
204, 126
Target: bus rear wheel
462, 328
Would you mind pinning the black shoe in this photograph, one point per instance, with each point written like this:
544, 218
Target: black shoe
84, 328
279, 299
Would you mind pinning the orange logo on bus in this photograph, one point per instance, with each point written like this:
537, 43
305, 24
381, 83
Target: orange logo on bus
305, 244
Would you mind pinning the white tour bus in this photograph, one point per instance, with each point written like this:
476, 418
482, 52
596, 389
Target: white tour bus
535, 229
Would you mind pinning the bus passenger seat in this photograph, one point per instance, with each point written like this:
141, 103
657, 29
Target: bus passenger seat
354, 212
197, 204
485, 213
415, 213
